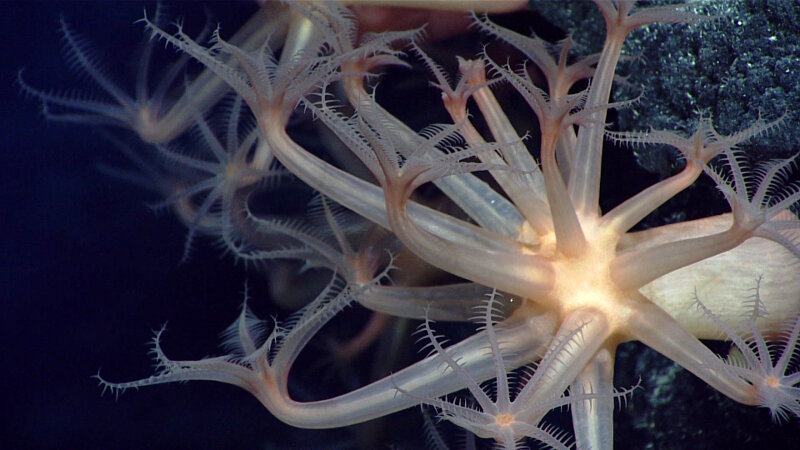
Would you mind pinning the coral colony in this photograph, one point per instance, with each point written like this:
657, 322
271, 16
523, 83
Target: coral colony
476, 220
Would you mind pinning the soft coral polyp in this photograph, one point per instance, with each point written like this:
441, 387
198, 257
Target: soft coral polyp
581, 280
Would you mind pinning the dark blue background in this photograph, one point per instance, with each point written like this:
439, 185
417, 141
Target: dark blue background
88, 270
